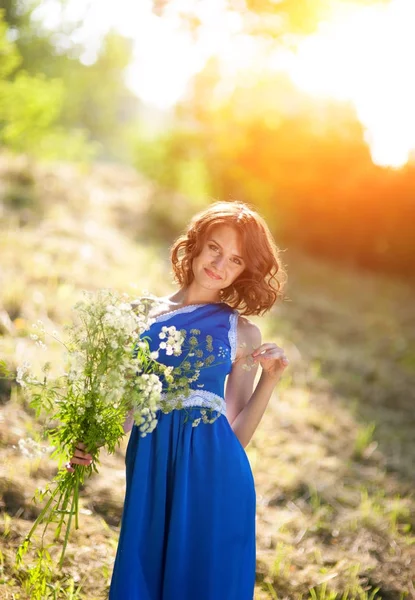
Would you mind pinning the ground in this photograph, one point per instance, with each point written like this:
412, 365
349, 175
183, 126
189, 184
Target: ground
333, 458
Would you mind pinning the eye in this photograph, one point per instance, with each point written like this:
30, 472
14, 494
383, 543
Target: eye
237, 261
213, 247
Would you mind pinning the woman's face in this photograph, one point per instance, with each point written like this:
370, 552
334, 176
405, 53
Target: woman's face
220, 261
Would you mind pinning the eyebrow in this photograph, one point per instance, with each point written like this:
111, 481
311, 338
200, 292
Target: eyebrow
217, 243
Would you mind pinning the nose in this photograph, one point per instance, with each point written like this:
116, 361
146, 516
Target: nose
219, 262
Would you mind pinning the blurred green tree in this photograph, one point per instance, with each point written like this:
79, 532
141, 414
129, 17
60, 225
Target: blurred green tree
30, 107
97, 98
95, 103
305, 164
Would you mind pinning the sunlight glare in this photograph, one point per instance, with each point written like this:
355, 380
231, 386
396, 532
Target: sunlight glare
366, 57
362, 55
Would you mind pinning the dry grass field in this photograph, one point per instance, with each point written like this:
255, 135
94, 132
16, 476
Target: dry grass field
334, 457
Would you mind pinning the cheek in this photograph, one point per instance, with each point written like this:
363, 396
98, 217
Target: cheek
198, 261
234, 272
205, 256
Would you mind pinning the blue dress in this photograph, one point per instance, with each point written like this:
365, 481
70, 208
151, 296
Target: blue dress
188, 523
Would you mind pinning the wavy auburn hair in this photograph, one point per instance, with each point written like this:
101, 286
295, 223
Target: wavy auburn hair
257, 288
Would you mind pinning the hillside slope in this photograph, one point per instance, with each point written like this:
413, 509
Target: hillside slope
334, 456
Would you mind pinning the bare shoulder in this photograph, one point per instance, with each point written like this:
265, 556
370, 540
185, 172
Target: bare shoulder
249, 337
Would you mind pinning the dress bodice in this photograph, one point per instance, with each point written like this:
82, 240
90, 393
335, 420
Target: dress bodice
213, 326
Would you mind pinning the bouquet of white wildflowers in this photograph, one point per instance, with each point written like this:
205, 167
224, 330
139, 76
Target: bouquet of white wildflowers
110, 374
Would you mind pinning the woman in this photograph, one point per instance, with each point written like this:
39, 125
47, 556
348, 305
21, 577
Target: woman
188, 524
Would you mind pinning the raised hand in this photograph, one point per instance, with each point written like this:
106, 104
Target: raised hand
272, 359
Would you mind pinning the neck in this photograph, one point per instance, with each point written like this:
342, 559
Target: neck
190, 295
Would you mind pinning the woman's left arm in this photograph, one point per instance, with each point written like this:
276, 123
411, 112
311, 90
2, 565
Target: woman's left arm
244, 406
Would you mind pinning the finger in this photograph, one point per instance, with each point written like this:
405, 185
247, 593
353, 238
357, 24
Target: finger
81, 446
81, 450
265, 347
80, 454
80, 461
282, 361
272, 353
69, 467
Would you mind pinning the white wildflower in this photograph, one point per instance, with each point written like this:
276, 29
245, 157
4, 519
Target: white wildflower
125, 307
32, 449
22, 373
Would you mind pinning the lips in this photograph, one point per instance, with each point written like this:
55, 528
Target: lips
212, 275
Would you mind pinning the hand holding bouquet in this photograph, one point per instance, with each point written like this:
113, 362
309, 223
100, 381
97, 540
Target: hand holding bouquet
110, 374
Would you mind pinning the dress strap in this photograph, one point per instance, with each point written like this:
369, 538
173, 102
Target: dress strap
233, 332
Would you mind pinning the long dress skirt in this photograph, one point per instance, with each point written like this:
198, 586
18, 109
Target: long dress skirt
188, 524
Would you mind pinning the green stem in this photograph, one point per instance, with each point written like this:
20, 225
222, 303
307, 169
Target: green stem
24, 546
42, 513
63, 511
68, 526
76, 495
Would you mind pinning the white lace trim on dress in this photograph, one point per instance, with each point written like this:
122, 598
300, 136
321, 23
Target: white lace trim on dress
232, 335
183, 309
202, 398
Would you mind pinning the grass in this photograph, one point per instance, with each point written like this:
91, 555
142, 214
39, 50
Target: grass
334, 456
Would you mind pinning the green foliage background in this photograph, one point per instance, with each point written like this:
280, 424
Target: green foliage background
303, 163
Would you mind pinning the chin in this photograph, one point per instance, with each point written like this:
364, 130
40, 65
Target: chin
212, 284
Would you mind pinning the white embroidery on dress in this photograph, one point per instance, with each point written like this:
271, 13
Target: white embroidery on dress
199, 398
232, 335
223, 352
